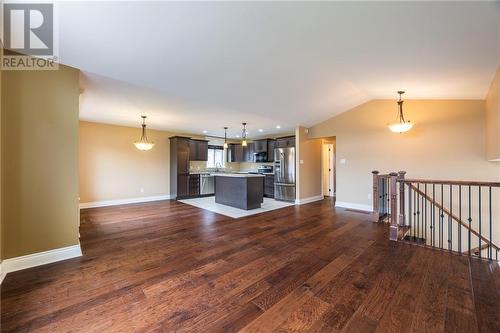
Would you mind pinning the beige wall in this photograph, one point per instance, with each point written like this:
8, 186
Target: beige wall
111, 168
493, 120
39, 160
308, 165
447, 142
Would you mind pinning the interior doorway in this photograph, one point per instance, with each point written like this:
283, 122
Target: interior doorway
328, 163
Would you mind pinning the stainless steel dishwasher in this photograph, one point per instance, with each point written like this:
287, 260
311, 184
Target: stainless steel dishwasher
207, 184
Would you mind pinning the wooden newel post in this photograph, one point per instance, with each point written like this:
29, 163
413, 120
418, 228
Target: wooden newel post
401, 178
393, 189
376, 199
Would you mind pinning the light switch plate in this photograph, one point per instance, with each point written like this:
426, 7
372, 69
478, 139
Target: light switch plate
301, 161
343, 161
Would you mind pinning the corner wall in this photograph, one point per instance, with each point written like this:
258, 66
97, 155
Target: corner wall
493, 120
308, 166
447, 142
39, 138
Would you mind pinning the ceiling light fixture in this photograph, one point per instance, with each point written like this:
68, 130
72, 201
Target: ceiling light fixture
225, 138
244, 135
401, 125
261, 130
278, 126
205, 132
143, 143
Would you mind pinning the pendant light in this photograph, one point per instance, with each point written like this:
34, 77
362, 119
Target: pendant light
401, 125
244, 135
143, 143
225, 138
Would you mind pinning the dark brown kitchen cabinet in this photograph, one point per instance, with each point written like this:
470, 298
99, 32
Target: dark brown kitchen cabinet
271, 144
285, 142
269, 186
260, 146
249, 151
194, 185
264, 150
179, 167
198, 150
235, 153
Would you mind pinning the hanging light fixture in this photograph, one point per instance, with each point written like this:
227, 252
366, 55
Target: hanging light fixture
244, 135
143, 143
225, 138
401, 125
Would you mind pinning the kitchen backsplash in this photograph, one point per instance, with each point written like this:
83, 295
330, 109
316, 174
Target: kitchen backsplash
202, 166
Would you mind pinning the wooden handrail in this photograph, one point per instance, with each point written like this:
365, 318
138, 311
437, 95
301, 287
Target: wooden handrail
476, 249
451, 182
447, 212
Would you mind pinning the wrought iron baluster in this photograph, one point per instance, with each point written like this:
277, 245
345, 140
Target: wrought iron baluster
470, 220
450, 234
441, 222
433, 221
418, 212
490, 250
459, 226
480, 222
425, 215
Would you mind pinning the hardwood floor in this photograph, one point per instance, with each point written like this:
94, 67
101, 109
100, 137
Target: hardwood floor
170, 267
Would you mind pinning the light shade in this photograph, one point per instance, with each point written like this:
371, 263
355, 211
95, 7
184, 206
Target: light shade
400, 127
141, 145
144, 143
244, 142
225, 145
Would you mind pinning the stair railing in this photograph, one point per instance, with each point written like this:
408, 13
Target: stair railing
457, 216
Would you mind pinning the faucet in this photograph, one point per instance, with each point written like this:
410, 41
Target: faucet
217, 166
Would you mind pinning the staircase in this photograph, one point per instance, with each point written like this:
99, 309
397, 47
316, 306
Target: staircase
462, 217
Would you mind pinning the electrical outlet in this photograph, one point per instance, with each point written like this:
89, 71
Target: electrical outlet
142, 189
343, 161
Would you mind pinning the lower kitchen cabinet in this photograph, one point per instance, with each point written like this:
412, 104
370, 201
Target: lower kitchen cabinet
194, 185
269, 186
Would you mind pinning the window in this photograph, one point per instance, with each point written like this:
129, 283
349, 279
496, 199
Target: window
215, 157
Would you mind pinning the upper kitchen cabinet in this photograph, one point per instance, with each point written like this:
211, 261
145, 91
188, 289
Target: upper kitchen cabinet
264, 150
249, 152
235, 153
271, 144
285, 142
260, 146
198, 150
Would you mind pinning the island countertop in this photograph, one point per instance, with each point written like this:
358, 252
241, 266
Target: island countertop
238, 175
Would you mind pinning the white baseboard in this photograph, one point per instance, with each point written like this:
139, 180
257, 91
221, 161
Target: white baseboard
40, 258
2, 274
351, 205
308, 200
123, 201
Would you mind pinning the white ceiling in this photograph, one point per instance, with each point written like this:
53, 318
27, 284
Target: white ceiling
194, 66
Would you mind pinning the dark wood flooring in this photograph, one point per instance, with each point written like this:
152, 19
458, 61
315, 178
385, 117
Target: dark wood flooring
170, 267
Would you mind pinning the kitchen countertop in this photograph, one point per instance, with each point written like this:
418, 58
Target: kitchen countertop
214, 173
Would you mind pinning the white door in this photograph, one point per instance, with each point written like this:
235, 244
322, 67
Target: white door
328, 170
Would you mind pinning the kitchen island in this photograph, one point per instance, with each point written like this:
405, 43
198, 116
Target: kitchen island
244, 191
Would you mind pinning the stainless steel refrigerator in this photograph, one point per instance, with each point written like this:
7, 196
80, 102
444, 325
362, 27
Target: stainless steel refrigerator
284, 174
